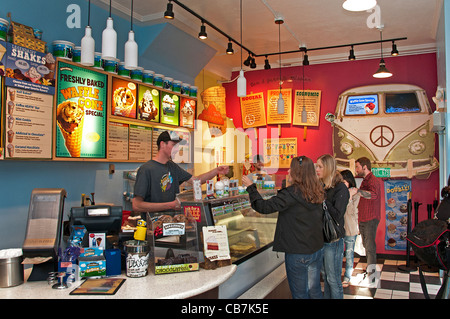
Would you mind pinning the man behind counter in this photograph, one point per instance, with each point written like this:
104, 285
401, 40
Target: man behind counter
158, 180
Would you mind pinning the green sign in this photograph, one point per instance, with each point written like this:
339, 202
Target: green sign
381, 172
80, 112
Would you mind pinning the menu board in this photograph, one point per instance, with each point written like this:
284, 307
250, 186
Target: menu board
123, 100
310, 99
272, 106
279, 152
80, 112
148, 104
140, 143
28, 124
29, 69
117, 141
187, 112
253, 110
170, 108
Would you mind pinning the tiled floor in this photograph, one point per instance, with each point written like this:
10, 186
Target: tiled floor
392, 283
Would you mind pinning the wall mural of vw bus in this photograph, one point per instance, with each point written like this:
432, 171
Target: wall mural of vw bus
389, 124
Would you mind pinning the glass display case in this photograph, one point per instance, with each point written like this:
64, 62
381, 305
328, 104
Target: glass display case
249, 232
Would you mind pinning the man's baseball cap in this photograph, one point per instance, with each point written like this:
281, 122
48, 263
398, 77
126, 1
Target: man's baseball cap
167, 136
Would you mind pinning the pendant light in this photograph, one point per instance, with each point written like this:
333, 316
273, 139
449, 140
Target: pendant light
131, 47
280, 102
304, 113
241, 81
169, 11
382, 72
88, 43
359, 5
109, 39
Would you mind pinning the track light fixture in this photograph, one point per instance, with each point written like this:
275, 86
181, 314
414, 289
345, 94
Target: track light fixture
230, 50
248, 60
305, 58
394, 51
266, 64
202, 34
169, 11
253, 64
352, 57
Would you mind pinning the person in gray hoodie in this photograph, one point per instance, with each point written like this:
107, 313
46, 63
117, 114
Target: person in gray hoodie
299, 232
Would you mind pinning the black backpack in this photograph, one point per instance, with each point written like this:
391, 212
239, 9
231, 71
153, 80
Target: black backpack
429, 241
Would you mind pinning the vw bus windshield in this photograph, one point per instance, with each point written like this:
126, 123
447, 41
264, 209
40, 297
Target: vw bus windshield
362, 105
402, 103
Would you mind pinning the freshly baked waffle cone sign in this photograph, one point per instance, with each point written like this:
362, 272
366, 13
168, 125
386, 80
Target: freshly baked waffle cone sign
80, 112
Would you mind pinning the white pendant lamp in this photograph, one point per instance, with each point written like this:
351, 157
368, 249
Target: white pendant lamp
280, 104
242, 81
359, 5
131, 47
109, 39
88, 43
241, 84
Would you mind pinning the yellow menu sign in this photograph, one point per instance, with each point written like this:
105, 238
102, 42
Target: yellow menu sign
272, 103
253, 111
310, 99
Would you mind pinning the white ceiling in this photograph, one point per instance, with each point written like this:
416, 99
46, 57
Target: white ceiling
313, 23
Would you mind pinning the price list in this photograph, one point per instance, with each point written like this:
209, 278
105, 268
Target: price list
118, 141
140, 143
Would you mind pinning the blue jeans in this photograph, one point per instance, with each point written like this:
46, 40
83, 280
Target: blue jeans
333, 255
303, 274
349, 242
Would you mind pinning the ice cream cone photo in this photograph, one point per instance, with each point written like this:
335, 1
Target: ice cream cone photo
70, 119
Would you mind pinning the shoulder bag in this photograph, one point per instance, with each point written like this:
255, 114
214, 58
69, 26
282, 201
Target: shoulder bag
330, 225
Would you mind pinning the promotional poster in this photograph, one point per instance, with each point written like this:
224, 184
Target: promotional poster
80, 112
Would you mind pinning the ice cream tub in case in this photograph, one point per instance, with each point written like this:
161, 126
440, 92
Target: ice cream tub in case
148, 76
185, 88
97, 60
193, 91
167, 83
110, 65
76, 57
158, 80
176, 86
137, 73
63, 49
122, 70
3, 29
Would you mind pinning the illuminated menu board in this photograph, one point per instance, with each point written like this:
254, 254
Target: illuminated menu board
80, 112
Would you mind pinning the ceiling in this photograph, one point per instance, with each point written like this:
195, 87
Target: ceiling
314, 24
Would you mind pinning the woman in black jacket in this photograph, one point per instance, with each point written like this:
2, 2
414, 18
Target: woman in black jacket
299, 231
337, 197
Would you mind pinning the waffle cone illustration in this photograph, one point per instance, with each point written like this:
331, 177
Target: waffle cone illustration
70, 119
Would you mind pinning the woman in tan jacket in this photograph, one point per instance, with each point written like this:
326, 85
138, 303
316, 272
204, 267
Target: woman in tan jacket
350, 225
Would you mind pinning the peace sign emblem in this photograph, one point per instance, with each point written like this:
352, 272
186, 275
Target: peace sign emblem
382, 136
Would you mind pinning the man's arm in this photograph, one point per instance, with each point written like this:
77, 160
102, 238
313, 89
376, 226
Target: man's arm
210, 175
139, 205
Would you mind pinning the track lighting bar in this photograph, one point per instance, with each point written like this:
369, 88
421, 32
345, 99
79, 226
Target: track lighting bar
212, 25
331, 47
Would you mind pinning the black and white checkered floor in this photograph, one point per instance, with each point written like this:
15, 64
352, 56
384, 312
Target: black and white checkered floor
392, 282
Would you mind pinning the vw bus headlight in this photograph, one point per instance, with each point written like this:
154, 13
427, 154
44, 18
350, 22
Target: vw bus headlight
346, 148
416, 147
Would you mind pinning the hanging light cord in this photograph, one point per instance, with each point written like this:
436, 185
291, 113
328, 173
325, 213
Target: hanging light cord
131, 20
89, 13
110, 2
303, 78
279, 49
241, 31
381, 42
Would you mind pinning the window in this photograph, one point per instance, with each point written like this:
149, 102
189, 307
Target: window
362, 105
401, 103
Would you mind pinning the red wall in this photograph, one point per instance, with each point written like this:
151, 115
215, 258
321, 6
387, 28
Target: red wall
332, 79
